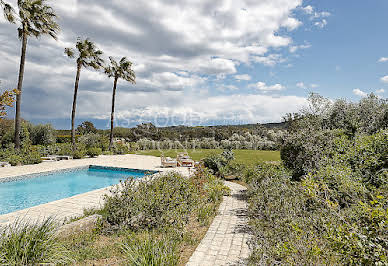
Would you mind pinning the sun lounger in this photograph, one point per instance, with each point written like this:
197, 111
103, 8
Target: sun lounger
64, 157
168, 162
49, 159
4, 164
184, 160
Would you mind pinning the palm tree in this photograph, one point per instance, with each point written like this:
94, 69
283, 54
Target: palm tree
35, 18
9, 12
121, 70
88, 56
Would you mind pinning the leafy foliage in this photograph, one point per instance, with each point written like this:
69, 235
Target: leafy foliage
329, 206
164, 201
6, 100
43, 135
94, 152
86, 127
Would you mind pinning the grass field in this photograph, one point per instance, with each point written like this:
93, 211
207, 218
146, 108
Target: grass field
248, 157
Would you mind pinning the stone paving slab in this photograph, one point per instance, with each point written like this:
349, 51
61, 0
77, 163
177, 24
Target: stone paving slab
225, 242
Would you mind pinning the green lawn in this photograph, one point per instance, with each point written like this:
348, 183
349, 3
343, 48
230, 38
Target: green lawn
248, 157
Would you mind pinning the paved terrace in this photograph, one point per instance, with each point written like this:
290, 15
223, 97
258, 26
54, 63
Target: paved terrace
74, 206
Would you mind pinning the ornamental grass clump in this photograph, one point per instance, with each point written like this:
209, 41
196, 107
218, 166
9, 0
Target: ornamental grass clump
31, 244
150, 249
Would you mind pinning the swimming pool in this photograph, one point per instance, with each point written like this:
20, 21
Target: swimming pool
27, 191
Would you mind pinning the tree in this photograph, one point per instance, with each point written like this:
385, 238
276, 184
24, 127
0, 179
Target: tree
9, 12
35, 19
6, 100
86, 128
121, 70
88, 56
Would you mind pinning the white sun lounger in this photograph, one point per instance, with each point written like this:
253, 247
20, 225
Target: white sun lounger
168, 162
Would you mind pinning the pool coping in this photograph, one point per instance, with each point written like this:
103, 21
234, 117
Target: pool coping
78, 203
44, 173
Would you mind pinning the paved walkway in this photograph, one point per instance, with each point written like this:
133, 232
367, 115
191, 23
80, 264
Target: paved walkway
226, 241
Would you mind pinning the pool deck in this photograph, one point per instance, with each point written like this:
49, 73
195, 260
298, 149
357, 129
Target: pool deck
68, 208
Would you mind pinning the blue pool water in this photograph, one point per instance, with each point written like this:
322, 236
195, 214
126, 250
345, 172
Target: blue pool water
29, 192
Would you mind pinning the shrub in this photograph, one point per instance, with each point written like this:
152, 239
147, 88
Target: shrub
32, 157
216, 189
79, 153
163, 201
15, 160
43, 135
94, 152
93, 140
232, 170
120, 149
25, 244
150, 249
228, 155
215, 162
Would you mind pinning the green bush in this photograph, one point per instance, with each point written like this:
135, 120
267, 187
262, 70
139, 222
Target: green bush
79, 153
120, 149
328, 216
150, 249
15, 160
163, 201
42, 135
233, 170
33, 157
215, 162
216, 189
94, 152
26, 244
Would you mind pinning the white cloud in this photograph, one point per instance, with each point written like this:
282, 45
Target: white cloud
317, 17
383, 59
225, 109
301, 85
321, 24
308, 9
360, 93
243, 77
381, 91
177, 47
295, 48
262, 86
270, 60
384, 79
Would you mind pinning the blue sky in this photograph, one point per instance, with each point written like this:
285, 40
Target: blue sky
208, 62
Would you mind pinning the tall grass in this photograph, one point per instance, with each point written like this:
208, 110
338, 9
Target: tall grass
23, 243
150, 249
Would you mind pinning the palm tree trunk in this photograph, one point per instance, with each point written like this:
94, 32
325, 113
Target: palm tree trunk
19, 95
112, 116
75, 106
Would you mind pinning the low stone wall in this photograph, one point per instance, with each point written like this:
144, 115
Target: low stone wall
85, 224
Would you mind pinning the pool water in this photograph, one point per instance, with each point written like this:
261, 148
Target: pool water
39, 189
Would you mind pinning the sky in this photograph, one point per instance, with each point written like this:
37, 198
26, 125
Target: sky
202, 62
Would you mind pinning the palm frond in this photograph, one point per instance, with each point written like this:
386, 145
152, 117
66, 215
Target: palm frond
38, 18
122, 70
87, 54
9, 12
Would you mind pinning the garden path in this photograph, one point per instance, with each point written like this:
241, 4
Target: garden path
226, 242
